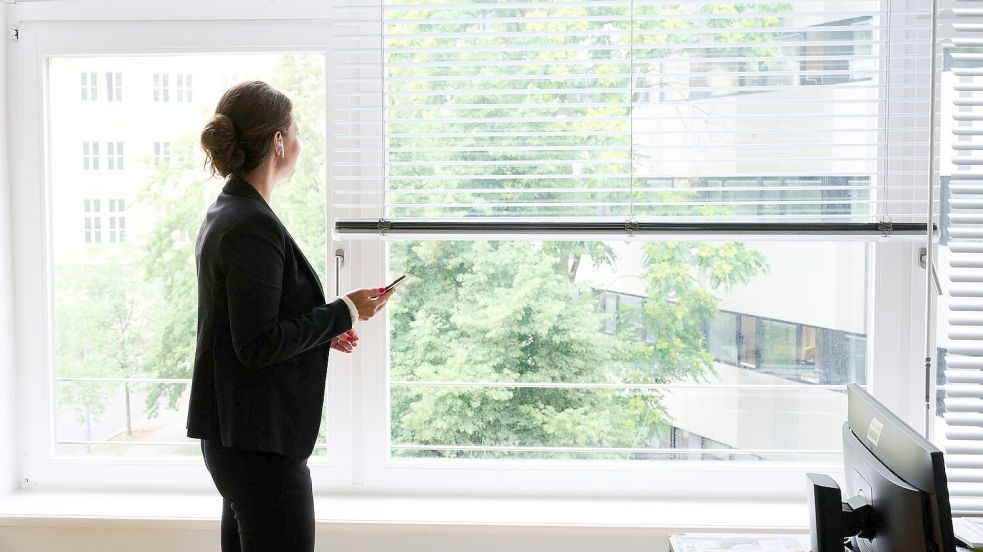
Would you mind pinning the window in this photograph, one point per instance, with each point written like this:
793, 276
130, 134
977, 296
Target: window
162, 154
93, 221
90, 156
162, 87
89, 87
120, 376
497, 136
114, 156
117, 220
114, 87
485, 121
183, 88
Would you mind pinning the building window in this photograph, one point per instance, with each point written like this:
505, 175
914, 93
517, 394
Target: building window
114, 87
183, 88
798, 352
89, 88
114, 154
117, 220
162, 87
90, 156
162, 154
93, 227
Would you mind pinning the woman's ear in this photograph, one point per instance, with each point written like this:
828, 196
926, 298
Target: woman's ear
278, 144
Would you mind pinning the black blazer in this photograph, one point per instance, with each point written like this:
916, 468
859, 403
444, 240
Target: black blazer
263, 331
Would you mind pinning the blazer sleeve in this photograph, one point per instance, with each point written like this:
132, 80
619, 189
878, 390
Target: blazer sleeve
252, 254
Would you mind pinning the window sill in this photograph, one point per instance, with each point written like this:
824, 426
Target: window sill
365, 511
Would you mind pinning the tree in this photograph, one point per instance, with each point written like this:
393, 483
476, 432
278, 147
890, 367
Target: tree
100, 327
503, 312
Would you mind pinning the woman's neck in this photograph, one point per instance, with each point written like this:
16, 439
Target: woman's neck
262, 179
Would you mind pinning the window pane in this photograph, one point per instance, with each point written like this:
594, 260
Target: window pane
125, 291
643, 351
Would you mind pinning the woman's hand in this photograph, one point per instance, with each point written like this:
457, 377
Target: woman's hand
369, 301
345, 342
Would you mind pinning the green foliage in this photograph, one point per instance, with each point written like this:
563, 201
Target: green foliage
680, 304
179, 192
99, 327
504, 312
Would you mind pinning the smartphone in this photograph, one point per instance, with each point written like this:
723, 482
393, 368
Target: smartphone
396, 283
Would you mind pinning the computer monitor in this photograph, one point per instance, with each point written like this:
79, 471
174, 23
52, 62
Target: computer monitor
898, 497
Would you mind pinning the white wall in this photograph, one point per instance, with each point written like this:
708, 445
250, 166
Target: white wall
8, 465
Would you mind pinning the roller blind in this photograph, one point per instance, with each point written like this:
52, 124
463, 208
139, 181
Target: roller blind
961, 252
649, 111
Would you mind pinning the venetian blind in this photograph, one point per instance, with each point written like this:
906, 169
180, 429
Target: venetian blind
595, 111
961, 251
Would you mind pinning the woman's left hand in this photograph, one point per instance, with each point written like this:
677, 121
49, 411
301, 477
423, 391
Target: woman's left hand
345, 342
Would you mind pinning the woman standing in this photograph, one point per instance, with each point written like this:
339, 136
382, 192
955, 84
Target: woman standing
264, 331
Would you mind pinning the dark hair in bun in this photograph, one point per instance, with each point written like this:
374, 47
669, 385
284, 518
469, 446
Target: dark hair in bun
238, 138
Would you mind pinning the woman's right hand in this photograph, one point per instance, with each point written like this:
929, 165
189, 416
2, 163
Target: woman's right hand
369, 301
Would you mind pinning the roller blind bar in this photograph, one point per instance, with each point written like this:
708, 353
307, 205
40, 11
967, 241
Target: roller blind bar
400, 226
624, 203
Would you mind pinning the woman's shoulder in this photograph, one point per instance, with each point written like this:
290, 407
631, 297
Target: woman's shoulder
237, 215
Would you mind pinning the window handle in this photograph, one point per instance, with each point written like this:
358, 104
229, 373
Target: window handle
339, 263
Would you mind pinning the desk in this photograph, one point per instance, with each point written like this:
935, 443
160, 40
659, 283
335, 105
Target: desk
707, 542
746, 542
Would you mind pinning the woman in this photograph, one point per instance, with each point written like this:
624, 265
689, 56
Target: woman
264, 331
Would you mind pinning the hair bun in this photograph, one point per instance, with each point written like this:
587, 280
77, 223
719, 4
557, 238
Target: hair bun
239, 137
220, 142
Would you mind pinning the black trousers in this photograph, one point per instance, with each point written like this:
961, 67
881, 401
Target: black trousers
267, 501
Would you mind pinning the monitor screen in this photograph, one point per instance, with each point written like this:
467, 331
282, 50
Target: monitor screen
901, 473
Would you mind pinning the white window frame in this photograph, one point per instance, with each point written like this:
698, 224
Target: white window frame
358, 423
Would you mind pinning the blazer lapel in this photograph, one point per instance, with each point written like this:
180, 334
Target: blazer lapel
239, 187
